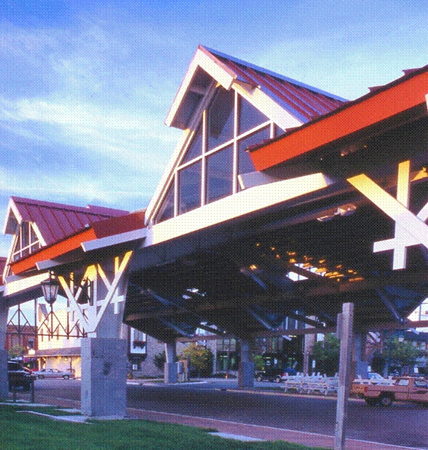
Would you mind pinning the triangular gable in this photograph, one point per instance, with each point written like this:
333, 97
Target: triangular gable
273, 104
281, 98
53, 221
36, 224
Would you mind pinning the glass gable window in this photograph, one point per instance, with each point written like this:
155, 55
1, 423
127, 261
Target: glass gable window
167, 210
27, 241
195, 148
189, 182
245, 165
249, 117
220, 119
217, 154
219, 174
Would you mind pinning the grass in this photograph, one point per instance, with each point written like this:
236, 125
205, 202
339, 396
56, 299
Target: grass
21, 431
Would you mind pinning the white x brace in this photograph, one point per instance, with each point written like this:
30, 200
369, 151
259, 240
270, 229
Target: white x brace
410, 229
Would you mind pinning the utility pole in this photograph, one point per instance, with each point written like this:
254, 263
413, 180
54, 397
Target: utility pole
345, 332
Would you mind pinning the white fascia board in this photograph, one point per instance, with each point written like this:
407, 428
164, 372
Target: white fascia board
267, 106
11, 209
116, 239
15, 285
213, 67
245, 202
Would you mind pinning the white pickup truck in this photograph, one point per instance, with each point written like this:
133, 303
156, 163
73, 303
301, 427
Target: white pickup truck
406, 389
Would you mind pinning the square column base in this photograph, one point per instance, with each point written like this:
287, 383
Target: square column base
103, 388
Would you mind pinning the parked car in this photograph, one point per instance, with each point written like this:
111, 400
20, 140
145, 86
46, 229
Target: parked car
53, 373
269, 374
18, 376
274, 374
407, 389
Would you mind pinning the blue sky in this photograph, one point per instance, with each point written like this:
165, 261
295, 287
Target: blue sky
85, 86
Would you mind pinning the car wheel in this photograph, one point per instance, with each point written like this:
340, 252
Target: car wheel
278, 379
371, 401
385, 400
66, 377
40, 377
259, 378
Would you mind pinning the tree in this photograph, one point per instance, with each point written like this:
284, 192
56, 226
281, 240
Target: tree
16, 351
159, 360
327, 353
200, 358
402, 354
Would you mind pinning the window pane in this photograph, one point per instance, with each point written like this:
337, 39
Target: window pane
249, 117
219, 174
166, 211
190, 187
220, 119
245, 164
195, 148
25, 236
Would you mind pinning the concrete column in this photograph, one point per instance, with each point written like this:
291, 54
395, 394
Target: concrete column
246, 366
170, 368
103, 387
360, 361
4, 384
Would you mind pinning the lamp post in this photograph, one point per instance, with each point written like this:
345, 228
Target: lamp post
50, 289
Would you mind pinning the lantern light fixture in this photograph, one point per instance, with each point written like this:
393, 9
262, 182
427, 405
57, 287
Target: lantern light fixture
50, 288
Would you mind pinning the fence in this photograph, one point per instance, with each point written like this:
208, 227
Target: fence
312, 384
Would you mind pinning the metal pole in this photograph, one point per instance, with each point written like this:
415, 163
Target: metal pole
345, 332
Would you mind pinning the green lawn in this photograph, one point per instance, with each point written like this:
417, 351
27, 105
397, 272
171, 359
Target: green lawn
21, 431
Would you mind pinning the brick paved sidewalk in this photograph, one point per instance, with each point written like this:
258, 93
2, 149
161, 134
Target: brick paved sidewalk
238, 430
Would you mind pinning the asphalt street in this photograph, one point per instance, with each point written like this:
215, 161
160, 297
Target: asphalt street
402, 424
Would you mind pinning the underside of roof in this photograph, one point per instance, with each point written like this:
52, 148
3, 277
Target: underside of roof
302, 258
386, 107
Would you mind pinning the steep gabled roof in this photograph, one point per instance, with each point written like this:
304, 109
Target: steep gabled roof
71, 246
54, 221
301, 101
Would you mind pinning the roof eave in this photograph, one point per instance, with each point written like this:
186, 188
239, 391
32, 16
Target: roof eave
395, 98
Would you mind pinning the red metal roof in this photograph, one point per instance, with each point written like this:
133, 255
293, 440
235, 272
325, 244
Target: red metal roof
302, 101
379, 105
56, 221
97, 230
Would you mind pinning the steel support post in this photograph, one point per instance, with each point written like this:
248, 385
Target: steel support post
4, 384
246, 366
170, 368
345, 333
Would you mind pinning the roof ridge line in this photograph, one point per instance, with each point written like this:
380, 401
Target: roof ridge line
274, 74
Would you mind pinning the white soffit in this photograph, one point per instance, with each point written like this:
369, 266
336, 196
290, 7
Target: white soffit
15, 285
116, 239
235, 206
214, 68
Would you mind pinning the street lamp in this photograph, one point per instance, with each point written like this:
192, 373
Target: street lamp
50, 289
